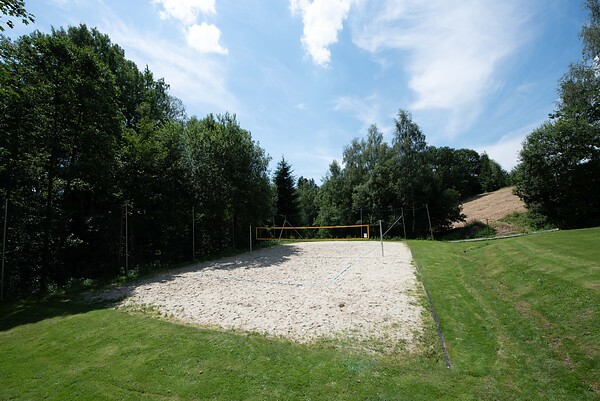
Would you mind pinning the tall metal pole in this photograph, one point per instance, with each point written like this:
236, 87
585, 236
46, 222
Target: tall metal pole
361, 222
381, 236
403, 222
193, 232
3, 248
126, 242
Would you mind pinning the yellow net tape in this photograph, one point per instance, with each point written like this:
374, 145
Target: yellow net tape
354, 232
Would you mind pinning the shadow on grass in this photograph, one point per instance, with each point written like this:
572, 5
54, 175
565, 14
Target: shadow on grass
33, 310
19, 313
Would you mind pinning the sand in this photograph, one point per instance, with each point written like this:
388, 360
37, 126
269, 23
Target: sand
302, 291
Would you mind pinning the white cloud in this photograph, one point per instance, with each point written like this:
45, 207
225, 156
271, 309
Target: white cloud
199, 80
366, 110
506, 150
186, 11
205, 38
322, 19
454, 50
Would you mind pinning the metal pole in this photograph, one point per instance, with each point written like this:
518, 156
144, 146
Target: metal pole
250, 237
381, 236
126, 242
361, 222
429, 218
3, 248
193, 233
403, 222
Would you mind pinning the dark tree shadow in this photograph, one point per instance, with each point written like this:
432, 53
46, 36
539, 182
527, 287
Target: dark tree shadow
18, 313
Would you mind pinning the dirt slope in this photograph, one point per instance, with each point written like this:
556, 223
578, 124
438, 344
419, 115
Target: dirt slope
491, 207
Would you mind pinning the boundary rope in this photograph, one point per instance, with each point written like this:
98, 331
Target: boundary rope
435, 319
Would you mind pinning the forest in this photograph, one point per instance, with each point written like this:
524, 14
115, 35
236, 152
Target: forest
102, 170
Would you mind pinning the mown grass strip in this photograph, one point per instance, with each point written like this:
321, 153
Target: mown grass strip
521, 311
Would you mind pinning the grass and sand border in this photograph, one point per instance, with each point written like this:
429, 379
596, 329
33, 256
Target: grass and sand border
519, 317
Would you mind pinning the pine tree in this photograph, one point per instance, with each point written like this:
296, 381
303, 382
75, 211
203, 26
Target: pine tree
287, 203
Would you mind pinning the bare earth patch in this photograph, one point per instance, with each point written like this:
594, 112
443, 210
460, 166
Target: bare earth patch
302, 291
490, 207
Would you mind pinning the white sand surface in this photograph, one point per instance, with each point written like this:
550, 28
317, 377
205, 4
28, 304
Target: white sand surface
302, 291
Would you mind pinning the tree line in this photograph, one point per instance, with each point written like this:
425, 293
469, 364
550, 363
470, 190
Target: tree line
379, 181
96, 156
84, 133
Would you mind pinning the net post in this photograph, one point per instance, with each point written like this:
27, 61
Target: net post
3, 248
381, 236
193, 233
250, 237
403, 222
126, 240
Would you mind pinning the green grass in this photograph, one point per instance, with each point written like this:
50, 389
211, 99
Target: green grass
521, 313
527, 222
520, 319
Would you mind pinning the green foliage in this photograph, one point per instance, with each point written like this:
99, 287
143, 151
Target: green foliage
459, 169
382, 182
559, 173
14, 8
287, 198
335, 198
492, 176
472, 230
590, 32
527, 221
84, 133
306, 192
558, 177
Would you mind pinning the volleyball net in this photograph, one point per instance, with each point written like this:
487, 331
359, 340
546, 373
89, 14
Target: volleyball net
355, 232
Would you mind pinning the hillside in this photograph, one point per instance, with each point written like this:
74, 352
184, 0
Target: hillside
490, 207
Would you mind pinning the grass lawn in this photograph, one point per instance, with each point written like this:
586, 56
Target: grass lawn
520, 318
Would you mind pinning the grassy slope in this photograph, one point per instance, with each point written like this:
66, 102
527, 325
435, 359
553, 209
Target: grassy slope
521, 313
519, 317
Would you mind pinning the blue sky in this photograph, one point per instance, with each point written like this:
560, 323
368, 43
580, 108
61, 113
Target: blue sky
308, 76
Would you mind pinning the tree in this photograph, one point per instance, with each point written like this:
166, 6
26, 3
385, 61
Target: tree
378, 181
590, 33
412, 172
367, 168
61, 107
307, 192
287, 202
14, 8
335, 198
557, 176
458, 169
84, 132
491, 175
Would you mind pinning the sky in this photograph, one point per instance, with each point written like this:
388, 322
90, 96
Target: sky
306, 77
